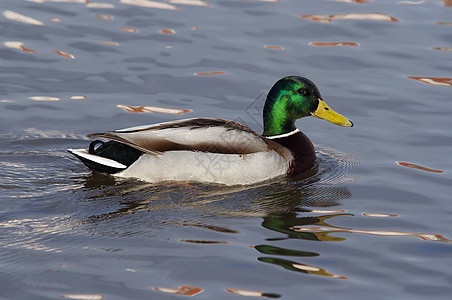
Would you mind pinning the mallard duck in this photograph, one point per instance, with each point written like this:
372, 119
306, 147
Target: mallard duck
215, 150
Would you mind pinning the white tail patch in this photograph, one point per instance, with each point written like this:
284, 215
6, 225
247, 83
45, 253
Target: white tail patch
97, 159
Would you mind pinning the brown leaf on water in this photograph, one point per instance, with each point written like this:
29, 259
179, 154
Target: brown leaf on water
183, 290
442, 49
211, 73
438, 81
444, 23
152, 109
128, 29
64, 54
104, 17
167, 31
18, 45
350, 16
415, 166
273, 47
447, 2
323, 44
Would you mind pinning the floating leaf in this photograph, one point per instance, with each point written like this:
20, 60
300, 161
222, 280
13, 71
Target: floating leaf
18, 45
64, 54
195, 28
414, 166
128, 29
105, 17
184, 290
152, 109
442, 49
434, 80
167, 31
78, 97
274, 47
211, 73
322, 44
151, 4
21, 18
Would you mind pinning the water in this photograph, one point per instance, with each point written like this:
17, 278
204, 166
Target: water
358, 226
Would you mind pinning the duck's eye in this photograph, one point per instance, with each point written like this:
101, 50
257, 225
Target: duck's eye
302, 91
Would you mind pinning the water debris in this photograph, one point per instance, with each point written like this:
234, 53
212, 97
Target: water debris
438, 81
151, 4
105, 17
11, 15
167, 31
210, 73
442, 49
44, 98
351, 16
184, 290
17, 45
78, 97
415, 166
129, 29
190, 2
152, 109
323, 44
274, 47
64, 54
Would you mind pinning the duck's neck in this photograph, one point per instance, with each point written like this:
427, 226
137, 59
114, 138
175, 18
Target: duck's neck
277, 121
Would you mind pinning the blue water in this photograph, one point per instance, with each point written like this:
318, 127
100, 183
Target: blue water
359, 226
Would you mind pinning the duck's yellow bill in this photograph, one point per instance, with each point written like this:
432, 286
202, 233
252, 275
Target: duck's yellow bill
326, 113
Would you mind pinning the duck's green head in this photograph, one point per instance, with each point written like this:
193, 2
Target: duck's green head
294, 97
